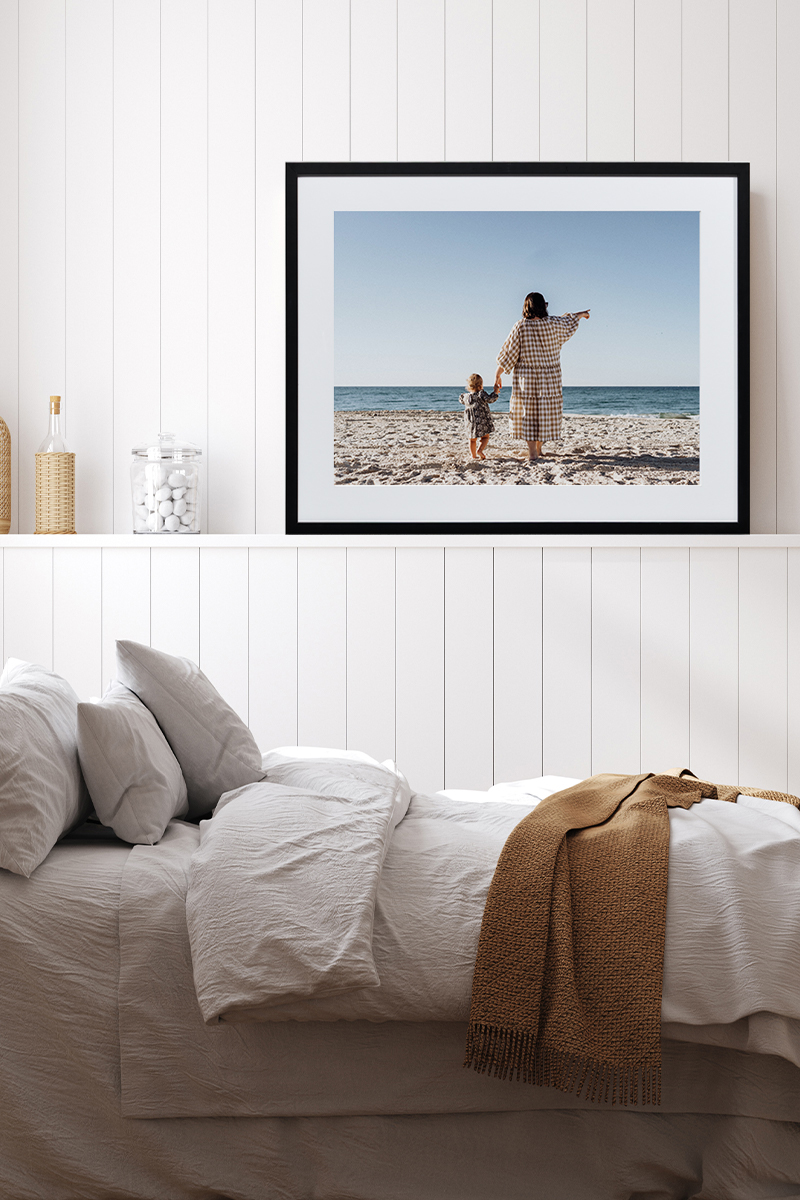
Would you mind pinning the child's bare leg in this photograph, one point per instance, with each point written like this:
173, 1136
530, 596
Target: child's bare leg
483, 445
533, 453
472, 444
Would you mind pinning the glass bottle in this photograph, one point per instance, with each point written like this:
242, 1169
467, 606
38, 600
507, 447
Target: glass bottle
54, 442
55, 479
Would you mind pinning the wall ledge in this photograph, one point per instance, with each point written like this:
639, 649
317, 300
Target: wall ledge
101, 541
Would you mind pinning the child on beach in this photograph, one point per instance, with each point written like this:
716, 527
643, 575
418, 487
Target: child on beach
477, 418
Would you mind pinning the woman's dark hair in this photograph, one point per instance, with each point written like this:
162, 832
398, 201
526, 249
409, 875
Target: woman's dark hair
535, 306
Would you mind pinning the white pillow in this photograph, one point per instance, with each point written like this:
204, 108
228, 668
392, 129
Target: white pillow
134, 779
42, 793
215, 749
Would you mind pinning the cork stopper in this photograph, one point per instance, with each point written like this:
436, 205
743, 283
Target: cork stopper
55, 405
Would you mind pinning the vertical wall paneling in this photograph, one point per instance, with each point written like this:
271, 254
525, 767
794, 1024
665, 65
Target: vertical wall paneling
793, 671
137, 232
9, 234
517, 664
787, 237
273, 647
231, 258
753, 121
468, 80
175, 601
322, 647
224, 643
616, 667
609, 80
567, 662
665, 658
126, 602
515, 81
77, 623
420, 666
28, 605
371, 651
278, 140
714, 667
762, 668
658, 80
373, 79
468, 672
420, 80
184, 219
90, 259
704, 80
41, 232
326, 80
562, 81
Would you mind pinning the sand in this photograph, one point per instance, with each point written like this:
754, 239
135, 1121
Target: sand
432, 448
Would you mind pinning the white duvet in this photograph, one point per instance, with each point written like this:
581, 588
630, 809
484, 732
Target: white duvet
315, 896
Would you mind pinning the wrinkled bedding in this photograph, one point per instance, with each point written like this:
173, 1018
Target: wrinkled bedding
266, 883
73, 1048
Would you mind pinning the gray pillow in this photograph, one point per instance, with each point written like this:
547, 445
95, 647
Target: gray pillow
42, 794
133, 777
216, 750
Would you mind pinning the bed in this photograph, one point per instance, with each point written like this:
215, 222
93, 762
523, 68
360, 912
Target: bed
138, 1061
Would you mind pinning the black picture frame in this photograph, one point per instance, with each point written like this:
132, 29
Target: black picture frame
735, 522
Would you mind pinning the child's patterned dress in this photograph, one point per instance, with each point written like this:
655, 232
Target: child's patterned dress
477, 417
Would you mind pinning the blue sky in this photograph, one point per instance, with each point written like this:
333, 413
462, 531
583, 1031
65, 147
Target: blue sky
425, 298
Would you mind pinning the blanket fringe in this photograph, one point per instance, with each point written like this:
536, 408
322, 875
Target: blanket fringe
512, 1054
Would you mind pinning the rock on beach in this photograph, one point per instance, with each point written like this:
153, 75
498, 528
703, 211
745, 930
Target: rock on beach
431, 448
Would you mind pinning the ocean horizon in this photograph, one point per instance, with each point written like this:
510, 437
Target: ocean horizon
586, 401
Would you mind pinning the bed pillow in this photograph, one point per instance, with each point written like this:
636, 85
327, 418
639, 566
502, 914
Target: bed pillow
42, 793
215, 749
134, 779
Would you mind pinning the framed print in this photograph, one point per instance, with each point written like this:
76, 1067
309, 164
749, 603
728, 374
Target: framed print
517, 348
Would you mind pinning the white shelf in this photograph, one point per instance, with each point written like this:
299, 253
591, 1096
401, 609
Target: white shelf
220, 540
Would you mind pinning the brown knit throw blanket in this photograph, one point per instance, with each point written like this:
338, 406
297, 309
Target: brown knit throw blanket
567, 985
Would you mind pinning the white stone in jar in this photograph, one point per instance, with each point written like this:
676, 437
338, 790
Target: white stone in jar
187, 518
140, 526
164, 493
156, 475
177, 479
165, 508
142, 511
150, 503
185, 529
179, 507
177, 493
155, 522
172, 523
138, 495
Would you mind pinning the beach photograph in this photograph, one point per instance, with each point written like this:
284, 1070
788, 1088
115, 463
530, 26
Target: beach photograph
523, 348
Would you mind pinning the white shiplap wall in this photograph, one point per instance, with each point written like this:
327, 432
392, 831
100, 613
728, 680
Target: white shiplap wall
468, 664
142, 145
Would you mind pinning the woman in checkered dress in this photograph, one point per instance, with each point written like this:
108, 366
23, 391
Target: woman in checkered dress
533, 352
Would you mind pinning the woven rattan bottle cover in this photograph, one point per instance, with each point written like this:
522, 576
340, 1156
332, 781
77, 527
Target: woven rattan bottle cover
55, 479
5, 478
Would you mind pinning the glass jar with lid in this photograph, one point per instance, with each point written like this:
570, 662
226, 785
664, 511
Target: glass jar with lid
166, 486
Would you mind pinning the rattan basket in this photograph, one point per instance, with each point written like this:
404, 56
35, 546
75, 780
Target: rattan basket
55, 493
5, 478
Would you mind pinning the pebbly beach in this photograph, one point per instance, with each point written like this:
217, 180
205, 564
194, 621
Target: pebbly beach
430, 448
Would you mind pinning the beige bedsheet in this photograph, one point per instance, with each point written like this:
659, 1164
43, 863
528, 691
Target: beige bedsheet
63, 1135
